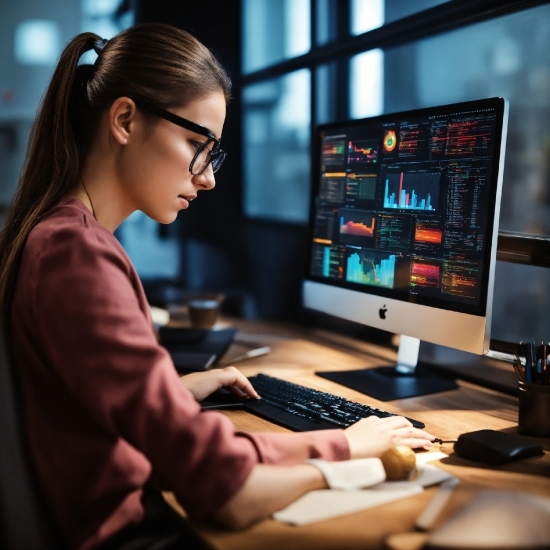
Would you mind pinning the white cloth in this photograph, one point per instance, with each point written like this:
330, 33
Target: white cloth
351, 474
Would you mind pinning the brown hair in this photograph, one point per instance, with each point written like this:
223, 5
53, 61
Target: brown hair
151, 62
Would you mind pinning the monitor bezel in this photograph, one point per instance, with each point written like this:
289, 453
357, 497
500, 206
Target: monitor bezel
500, 105
454, 328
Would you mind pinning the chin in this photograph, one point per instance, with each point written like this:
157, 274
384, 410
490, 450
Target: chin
168, 219
163, 217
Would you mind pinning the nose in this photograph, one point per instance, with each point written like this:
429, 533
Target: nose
206, 180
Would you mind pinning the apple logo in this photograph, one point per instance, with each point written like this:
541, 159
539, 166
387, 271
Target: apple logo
382, 312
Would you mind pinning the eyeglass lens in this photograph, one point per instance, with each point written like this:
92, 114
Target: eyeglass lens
204, 156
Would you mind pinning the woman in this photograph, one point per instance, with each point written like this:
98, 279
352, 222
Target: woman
106, 416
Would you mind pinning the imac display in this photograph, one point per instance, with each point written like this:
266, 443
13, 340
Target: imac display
403, 232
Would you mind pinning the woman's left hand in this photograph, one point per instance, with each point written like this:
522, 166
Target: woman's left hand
202, 384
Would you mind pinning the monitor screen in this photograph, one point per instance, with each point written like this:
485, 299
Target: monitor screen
404, 221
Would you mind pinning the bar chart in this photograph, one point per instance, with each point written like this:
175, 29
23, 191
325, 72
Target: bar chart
412, 191
371, 268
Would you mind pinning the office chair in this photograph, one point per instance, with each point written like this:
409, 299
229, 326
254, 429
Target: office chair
24, 520
24, 524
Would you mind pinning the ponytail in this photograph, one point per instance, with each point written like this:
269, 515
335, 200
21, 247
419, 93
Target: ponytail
51, 164
152, 63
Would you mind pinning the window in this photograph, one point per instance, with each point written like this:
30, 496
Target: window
505, 56
364, 59
37, 42
277, 135
274, 30
366, 15
367, 84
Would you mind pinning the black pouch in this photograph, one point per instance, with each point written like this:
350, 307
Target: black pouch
492, 447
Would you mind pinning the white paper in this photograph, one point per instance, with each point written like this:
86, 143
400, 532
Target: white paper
321, 505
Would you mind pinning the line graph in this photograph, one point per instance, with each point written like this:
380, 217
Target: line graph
362, 152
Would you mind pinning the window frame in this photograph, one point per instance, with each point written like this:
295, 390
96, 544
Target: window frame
442, 18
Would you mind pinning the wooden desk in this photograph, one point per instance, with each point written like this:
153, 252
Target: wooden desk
296, 354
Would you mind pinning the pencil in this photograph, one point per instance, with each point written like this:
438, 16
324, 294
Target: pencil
517, 367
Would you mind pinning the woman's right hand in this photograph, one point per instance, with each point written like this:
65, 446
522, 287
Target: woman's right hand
371, 436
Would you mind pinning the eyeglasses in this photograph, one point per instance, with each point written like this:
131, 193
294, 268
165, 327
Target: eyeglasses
204, 155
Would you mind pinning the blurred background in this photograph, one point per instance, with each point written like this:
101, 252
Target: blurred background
296, 64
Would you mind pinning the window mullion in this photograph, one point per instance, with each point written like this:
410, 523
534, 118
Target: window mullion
443, 18
341, 83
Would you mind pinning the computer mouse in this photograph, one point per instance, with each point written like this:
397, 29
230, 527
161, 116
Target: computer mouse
492, 447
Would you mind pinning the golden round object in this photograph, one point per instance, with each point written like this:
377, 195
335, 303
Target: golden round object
399, 463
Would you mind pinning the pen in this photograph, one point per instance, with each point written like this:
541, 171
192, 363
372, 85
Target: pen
534, 374
528, 361
545, 365
248, 355
430, 513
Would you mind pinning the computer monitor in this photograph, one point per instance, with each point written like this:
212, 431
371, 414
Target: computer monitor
403, 232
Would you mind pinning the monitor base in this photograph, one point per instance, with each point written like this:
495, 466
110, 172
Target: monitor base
387, 383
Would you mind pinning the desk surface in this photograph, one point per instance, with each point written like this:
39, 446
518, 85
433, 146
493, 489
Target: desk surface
296, 354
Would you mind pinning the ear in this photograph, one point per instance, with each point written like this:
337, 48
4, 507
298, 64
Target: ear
122, 118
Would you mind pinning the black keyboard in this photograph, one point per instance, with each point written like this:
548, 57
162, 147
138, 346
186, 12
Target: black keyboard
303, 409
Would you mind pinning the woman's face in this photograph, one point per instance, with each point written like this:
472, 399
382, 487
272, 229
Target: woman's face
155, 164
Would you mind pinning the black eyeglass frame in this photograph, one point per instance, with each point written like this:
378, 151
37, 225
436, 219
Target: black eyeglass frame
216, 154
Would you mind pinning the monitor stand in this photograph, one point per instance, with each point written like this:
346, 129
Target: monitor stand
406, 379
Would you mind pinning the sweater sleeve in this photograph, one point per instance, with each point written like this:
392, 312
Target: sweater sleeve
97, 340
287, 449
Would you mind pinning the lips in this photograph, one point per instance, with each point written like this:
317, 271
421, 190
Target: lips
188, 198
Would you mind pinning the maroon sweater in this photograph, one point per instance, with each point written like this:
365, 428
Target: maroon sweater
105, 411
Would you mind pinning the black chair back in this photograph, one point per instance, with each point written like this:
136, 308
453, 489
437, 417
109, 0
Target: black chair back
24, 524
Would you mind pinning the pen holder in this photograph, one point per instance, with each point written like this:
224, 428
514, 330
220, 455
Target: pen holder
534, 409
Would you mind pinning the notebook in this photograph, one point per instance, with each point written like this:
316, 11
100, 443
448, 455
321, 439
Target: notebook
195, 349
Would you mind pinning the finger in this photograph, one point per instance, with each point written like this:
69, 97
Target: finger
427, 435
422, 434
416, 443
409, 431
236, 391
414, 438
237, 381
394, 423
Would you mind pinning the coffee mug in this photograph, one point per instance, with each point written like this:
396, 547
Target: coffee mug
203, 313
